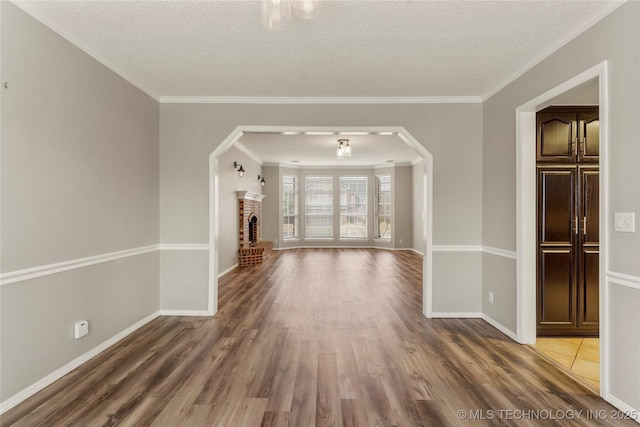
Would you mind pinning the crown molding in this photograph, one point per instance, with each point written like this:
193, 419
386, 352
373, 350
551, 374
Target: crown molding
575, 32
33, 12
321, 100
599, 15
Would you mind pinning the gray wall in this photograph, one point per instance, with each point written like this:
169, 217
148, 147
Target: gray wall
272, 202
417, 172
184, 271
189, 133
616, 39
230, 184
79, 178
402, 182
91, 165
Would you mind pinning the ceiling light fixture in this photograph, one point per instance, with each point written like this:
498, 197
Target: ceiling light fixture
276, 14
344, 149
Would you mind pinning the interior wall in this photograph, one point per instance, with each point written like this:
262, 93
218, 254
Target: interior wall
451, 132
79, 165
403, 207
230, 184
417, 229
271, 204
615, 39
181, 274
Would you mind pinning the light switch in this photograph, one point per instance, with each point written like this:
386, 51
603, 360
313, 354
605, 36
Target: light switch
625, 222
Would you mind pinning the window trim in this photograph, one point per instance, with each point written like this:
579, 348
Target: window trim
296, 216
365, 202
331, 194
377, 208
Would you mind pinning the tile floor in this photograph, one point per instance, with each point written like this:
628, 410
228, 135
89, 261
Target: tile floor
581, 356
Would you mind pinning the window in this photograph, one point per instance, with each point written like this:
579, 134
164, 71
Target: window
383, 210
353, 207
318, 207
289, 207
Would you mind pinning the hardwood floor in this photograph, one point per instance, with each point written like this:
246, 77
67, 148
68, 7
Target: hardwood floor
316, 337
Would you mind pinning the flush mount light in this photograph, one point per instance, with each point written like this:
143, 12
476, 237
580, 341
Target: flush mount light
344, 149
276, 14
238, 167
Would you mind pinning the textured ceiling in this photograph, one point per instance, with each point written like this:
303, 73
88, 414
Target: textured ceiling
354, 49
394, 49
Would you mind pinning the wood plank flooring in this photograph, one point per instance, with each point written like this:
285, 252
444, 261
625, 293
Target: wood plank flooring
331, 337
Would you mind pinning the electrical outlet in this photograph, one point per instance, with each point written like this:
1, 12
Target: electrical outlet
81, 329
490, 297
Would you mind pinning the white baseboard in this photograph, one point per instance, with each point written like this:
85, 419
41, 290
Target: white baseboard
500, 327
456, 248
456, 315
59, 373
184, 313
183, 246
227, 270
285, 248
625, 409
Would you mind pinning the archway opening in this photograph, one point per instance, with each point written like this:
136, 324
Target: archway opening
426, 201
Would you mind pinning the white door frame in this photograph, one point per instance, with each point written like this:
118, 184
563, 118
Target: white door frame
526, 211
214, 203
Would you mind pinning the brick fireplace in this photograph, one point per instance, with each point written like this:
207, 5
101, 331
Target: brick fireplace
251, 249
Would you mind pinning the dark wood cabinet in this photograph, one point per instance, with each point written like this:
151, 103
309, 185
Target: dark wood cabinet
568, 224
568, 135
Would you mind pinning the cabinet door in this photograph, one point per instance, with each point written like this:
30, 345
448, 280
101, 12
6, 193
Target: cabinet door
556, 249
589, 136
557, 136
589, 250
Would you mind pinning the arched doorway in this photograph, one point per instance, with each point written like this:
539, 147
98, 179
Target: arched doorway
238, 132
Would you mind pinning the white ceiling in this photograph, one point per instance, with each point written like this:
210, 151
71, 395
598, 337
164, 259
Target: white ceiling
307, 150
394, 50
399, 48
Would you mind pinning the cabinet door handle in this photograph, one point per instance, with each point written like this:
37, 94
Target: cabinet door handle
584, 225
575, 138
577, 226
